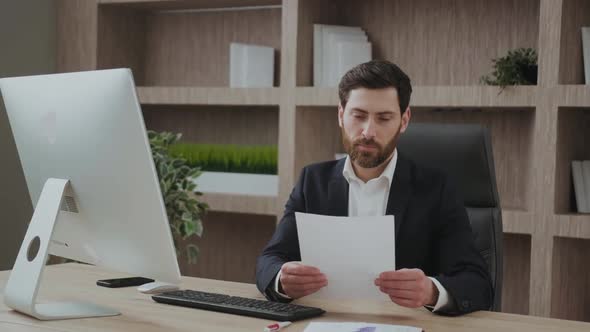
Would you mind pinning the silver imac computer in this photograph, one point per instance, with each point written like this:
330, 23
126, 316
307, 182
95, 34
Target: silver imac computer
84, 150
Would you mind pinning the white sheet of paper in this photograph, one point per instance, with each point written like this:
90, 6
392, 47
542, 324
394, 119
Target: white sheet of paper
357, 327
350, 251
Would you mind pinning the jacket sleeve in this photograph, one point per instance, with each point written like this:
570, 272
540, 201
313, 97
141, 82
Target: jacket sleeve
463, 272
284, 244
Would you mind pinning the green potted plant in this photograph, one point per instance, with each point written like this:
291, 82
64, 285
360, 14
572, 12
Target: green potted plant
518, 67
178, 187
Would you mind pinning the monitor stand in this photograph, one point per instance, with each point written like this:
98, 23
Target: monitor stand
21, 290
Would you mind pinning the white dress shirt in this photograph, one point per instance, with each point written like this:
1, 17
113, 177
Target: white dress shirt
370, 199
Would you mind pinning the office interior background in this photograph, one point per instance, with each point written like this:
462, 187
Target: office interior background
180, 61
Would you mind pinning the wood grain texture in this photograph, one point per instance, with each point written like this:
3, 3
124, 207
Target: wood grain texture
549, 40
571, 279
572, 226
188, 4
311, 12
241, 203
140, 313
576, 14
176, 55
121, 40
208, 96
437, 96
287, 117
434, 42
573, 141
230, 244
517, 273
518, 222
251, 125
183, 49
76, 35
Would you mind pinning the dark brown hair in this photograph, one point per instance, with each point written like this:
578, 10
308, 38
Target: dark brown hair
376, 74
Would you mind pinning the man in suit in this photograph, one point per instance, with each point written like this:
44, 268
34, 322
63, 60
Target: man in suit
438, 265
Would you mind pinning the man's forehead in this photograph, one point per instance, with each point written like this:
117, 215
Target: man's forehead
373, 100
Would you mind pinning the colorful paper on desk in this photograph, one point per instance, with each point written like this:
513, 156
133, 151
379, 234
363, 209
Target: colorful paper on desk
358, 327
350, 251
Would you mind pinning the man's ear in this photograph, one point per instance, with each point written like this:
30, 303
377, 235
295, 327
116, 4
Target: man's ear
340, 115
406, 119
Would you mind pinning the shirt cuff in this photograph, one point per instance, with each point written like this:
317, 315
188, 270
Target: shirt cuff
276, 288
444, 298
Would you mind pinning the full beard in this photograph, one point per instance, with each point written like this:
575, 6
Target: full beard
369, 159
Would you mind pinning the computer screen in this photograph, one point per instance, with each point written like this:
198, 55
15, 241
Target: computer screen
87, 129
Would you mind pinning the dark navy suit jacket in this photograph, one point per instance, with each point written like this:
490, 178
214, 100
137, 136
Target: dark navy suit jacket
432, 230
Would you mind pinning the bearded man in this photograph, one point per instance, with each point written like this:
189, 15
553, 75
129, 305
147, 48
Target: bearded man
438, 266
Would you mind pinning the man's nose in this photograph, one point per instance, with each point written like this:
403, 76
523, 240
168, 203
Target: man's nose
369, 129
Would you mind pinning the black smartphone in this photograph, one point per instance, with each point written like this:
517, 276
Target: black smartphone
123, 282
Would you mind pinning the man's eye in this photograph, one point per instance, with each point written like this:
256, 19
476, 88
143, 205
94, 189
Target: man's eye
385, 118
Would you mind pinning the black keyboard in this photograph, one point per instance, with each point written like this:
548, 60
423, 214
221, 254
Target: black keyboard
238, 305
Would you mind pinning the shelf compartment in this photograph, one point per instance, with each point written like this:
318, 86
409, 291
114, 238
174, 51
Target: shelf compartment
517, 272
573, 139
575, 15
435, 43
182, 47
216, 124
229, 247
570, 295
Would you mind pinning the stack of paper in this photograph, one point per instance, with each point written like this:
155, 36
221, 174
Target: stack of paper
358, 327
336, 49
581, 175
251, 66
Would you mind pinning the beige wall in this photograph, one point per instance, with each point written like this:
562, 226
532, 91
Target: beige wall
27, 46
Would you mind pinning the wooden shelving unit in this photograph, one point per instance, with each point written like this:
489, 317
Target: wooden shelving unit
178, 51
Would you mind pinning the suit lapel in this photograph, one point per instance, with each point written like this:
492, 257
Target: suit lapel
399, 193
338, 192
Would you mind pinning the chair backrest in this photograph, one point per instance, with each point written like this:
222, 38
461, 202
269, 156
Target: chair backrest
464, 153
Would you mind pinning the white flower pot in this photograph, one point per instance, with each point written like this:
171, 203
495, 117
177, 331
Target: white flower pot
238, 183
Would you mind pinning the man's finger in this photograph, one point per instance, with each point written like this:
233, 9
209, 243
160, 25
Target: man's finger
405, 303
403, 284
296, 291
403, 274
299, 269
299, 288
402, 294
298, 279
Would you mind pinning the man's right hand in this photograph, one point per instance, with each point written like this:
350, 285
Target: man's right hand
298, 280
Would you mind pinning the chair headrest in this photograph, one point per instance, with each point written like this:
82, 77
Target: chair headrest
462, 151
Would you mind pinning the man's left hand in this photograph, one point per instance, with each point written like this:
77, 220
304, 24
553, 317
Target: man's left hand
408, 287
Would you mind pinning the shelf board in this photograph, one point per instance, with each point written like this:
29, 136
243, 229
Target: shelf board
208, 96
190, 4
241, 203
575, 226
438, 96
517, 222
573, 95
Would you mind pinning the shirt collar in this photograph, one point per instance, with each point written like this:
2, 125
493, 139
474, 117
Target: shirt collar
349, 174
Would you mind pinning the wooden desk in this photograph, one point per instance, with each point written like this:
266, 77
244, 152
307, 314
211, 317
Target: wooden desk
140, 313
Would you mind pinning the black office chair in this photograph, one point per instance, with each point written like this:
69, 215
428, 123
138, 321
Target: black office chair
464, 152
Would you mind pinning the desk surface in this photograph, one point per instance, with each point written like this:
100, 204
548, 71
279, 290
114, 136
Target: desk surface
140, 313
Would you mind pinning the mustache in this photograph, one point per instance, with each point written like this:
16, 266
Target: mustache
367, 142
